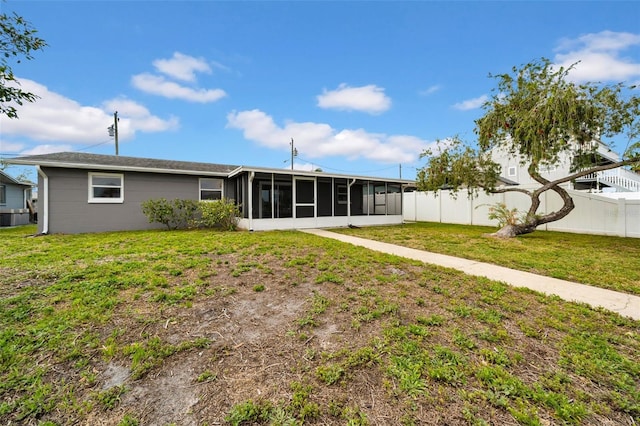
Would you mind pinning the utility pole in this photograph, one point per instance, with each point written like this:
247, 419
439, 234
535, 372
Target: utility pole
400, 165
113, 129
294, 153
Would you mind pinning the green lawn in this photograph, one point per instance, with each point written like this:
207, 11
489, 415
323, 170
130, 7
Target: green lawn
607, 262
286, 328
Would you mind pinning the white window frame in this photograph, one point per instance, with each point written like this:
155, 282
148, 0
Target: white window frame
3, 194
200, 189
512, 171
106, 200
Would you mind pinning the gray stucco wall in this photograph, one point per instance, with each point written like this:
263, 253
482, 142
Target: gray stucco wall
70, 212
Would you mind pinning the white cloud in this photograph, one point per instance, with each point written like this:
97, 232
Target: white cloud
600, 56
158, 85
47, 149
56, 118
317, 140
7, 146
182, 67
135, 117
307, 167
430, 90
470, 104
220, 66
370, 99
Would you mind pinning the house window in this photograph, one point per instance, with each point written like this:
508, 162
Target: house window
106, 188
210, 189
341, 194
3, 194
512, 171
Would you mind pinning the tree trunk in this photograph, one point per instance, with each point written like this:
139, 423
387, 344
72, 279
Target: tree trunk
510, 231
532, 220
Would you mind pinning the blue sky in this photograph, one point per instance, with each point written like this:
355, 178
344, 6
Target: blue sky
361, 87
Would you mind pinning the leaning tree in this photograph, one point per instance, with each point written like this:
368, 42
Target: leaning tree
539, 117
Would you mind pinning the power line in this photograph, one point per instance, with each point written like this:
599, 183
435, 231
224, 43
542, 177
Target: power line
92, 146
6, 154
346, 171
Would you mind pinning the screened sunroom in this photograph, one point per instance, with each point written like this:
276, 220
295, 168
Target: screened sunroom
281, 199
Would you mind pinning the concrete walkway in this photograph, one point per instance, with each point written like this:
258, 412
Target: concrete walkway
624, 304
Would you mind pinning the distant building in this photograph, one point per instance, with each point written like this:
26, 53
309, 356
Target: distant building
16, 207
621, 181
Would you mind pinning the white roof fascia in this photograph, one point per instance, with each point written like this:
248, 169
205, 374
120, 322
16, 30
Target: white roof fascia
308, 173
608, 153
235, 172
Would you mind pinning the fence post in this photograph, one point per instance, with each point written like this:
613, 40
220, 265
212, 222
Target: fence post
470, 209
415, 206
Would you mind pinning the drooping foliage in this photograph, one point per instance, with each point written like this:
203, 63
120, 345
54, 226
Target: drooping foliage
538, 116
454, 165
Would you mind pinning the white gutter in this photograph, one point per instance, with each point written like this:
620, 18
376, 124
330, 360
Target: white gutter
235, 172
43, 203
273, 196
349, 201
251, 176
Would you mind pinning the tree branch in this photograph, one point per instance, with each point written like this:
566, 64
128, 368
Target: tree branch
596, 169
503, 190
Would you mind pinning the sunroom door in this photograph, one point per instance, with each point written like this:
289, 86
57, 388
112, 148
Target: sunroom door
276, 200
305, 197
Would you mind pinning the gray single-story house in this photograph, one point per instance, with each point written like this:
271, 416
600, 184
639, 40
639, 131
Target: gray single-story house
15, 201
80, 192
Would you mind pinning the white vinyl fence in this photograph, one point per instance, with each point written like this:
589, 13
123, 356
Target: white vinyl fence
593, 214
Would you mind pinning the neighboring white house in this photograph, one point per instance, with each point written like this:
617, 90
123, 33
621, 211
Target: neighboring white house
615, 183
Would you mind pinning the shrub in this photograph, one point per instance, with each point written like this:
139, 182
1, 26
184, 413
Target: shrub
179, 213
173, 214
222, 214
504, 215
